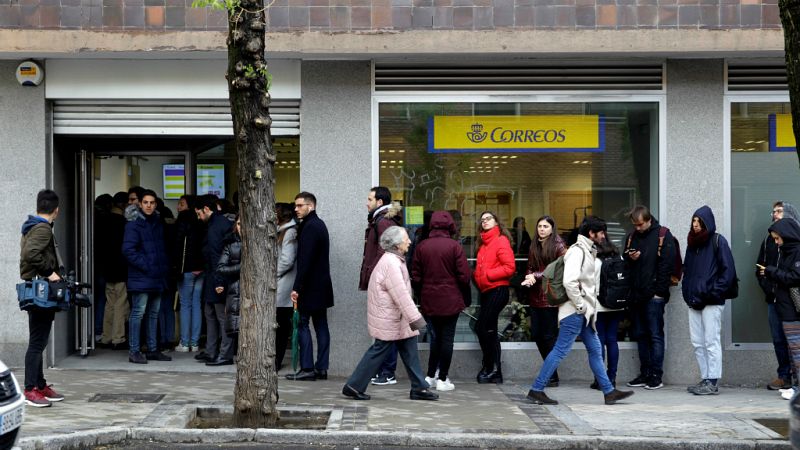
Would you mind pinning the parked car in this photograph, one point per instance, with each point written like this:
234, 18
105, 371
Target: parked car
12, 408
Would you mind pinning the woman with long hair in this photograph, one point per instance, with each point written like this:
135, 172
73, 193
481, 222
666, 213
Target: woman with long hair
287, 256
608, 319
493, 270
547, 247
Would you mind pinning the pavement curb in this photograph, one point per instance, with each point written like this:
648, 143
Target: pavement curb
112, 435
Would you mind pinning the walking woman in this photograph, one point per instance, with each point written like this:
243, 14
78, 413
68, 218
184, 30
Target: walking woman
287, 255
441, 272
494, 269
786, 276
392, 318
544, 317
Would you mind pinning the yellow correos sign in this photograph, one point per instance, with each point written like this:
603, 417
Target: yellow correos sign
781, 134
568, 133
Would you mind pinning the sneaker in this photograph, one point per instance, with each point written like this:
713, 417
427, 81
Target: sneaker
182, 348
639, 381
787, 394
384, 380
35, 398
614, 396
194, 348
50, 394
431, 382
654, 383
137, 358
708, 388
422, 394
694, 387
778, 384
445, 385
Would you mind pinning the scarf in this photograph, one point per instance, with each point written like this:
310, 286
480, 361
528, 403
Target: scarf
695, 240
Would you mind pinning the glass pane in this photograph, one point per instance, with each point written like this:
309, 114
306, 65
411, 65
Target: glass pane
565, 184
759, 178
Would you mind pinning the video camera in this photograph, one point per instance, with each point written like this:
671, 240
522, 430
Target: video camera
59, 295
71, 291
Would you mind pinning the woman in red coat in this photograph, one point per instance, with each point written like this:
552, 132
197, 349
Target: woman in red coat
547, 247
493, 270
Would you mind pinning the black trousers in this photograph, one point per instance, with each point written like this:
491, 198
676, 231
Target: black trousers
283, 334
39, 324
444, 328
544, 328
492, 303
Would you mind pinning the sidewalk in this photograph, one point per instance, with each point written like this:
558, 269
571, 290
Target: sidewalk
472, 415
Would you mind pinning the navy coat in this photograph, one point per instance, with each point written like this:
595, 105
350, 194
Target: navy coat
313, 280
144, 248
219, 227
707, 276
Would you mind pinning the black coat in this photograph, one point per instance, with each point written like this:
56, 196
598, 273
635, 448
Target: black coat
109, 232
229, 268
313, 280
219, 227
787, 273
767, 256
650, 274
190, 234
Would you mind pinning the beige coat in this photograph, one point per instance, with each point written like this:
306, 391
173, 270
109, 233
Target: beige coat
581, 282
390, 308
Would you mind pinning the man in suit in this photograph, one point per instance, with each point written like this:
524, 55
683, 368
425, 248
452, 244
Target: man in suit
312, 292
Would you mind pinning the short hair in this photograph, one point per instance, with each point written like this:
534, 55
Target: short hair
206, 201
308, 197
392, 237
121, 198
104, 202
640, 212
46, 201
285, 212
382, 193
138, 190
146, 192
593, 224
778, 203
225, 206
189, 198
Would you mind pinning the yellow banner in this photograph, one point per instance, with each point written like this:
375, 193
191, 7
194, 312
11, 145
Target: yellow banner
463, 134
781, 134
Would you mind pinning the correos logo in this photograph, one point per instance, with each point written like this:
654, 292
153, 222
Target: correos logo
477, 135
503, 135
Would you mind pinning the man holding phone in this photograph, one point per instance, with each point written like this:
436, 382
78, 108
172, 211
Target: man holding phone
650, 253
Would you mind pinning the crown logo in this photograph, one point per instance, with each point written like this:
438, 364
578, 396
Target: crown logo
477, 135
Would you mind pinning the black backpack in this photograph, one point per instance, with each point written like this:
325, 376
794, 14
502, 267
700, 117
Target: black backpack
615, 283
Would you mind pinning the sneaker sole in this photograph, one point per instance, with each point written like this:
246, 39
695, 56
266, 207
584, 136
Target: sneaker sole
636, 385
55, 399
653, 388
706, 393
384, 384
37, 405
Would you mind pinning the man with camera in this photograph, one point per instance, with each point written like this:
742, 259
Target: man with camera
38, 259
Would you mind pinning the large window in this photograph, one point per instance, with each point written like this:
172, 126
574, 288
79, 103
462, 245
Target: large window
762, 172
527, 181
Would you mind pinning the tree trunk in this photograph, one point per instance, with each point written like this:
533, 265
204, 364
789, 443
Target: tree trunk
256, 391
790, 18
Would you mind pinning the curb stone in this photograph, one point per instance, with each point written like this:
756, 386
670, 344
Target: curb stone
77, 439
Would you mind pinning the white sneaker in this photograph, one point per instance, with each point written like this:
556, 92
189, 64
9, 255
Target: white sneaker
431, 382
194, 348
181, 348
445, 385
781, 391
788, 394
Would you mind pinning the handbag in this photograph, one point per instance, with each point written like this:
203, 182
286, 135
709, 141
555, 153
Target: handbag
794, 293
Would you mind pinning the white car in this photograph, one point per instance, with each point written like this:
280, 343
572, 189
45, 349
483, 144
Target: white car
12, 408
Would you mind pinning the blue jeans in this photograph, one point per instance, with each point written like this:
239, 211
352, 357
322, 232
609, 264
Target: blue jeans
166, 318
607, 328
570, 328
320, 318
389, 365
780, 344
648, 328
376, 354
191, 291
141, 302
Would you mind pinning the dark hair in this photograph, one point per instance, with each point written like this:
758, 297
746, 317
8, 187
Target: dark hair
146, 192
190, 199
519, 219
121, 199
284, 211
104, 202
206, 201
138, 190
46, 201
640, 212
606, 249
308, 197
503, 230
225, 206
382, 193
593, 224
544, 252
163, 209
778, 203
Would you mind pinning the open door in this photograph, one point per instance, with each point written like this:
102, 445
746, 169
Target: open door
84, 317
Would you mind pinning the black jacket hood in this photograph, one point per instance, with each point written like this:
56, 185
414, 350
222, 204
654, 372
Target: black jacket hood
789, 230
705, 214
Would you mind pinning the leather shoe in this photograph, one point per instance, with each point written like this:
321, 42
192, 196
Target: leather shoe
422, 394
202, 357
137, 358
540, 398
302, 375
157, 356
616, 395
120, 346
321, 374
351, 392
220, 362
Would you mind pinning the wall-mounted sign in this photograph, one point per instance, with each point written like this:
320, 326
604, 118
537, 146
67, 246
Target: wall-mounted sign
29, 74
174, 181
781, 134
472, 134
211, 179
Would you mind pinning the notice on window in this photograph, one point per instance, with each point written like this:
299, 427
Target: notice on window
414, 215
174, 181
781, 134
211, 179
487, 134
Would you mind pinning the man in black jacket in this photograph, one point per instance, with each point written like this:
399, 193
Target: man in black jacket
113, 266
650, 252
312, 292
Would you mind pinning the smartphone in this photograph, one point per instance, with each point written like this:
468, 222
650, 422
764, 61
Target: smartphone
760, 266
632, 250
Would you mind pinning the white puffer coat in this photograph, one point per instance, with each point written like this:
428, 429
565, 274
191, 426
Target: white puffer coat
390, 308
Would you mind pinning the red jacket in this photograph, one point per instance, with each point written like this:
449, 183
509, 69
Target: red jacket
537, 297
440, 269
495, 265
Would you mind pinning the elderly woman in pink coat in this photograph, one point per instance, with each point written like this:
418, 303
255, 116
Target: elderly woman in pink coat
392, 317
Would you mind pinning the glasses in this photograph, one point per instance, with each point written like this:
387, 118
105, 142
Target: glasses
777, 210
487, 219
300, 205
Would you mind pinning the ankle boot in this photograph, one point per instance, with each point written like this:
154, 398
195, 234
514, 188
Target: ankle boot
483, 372
495, 376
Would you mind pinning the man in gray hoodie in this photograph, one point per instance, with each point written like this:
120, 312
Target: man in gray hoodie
768, 256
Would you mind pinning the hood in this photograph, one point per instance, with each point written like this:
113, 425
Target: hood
705, 214
133, 212
790, 212
442, 220
31, 222
288, 224
394, 210
789, 230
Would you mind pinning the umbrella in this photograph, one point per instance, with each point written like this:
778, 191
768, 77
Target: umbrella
295, 344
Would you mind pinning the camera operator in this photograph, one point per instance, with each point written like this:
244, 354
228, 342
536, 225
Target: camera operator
38, 259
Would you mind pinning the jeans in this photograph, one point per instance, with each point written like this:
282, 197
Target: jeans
441, 354
492, 303
320, 318
166, 318
39, 323
389, 365
704, 332
607, 327
191, 290
376, 354
780, 344
141, 302
572, 327
544, 330
648, 328
283, 334
218, 344
116, 313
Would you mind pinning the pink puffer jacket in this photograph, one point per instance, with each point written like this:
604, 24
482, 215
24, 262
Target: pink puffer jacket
390, 309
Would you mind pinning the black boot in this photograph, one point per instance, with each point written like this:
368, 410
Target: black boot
485, 368
495, 376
